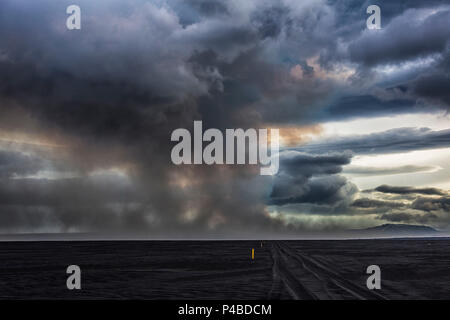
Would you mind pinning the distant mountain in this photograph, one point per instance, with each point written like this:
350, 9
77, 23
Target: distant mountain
401, 228
398, 230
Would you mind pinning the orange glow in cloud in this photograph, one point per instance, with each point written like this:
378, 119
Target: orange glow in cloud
294, 136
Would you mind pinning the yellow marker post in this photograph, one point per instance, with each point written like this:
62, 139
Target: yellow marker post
253, 254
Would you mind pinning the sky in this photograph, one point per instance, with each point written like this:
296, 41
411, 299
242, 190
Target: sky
86, 116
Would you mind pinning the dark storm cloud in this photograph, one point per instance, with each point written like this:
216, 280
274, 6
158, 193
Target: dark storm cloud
304, 178
368, 106
432, 204
409, 190
67, 192
17, 164
408, 217
307, 165
324, 190
412, 205
434, 87
433, 84
208, 7
411, 209
372, 203
113, 88
390, 141
269, 20
112, 93
75, 204
351, 18
350, 10
299, 37
115, 63
406, 37
411, 33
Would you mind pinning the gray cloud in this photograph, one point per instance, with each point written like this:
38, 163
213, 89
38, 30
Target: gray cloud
14, 164
368, 105
433, 84
111, 94
409, 190
408, 217
312, 179
432, 204
413, 207
373, 203
395, 140
402, 38
380, 171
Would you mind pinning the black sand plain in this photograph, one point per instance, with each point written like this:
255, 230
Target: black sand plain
306, 269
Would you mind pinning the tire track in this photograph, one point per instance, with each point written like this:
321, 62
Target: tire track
282, 274
308, 278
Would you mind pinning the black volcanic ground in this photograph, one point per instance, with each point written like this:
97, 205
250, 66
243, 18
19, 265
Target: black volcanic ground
417, 269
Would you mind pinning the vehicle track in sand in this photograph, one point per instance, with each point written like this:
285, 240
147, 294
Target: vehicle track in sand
306, 278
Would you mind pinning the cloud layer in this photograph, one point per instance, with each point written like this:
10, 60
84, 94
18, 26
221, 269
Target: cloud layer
86, 115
